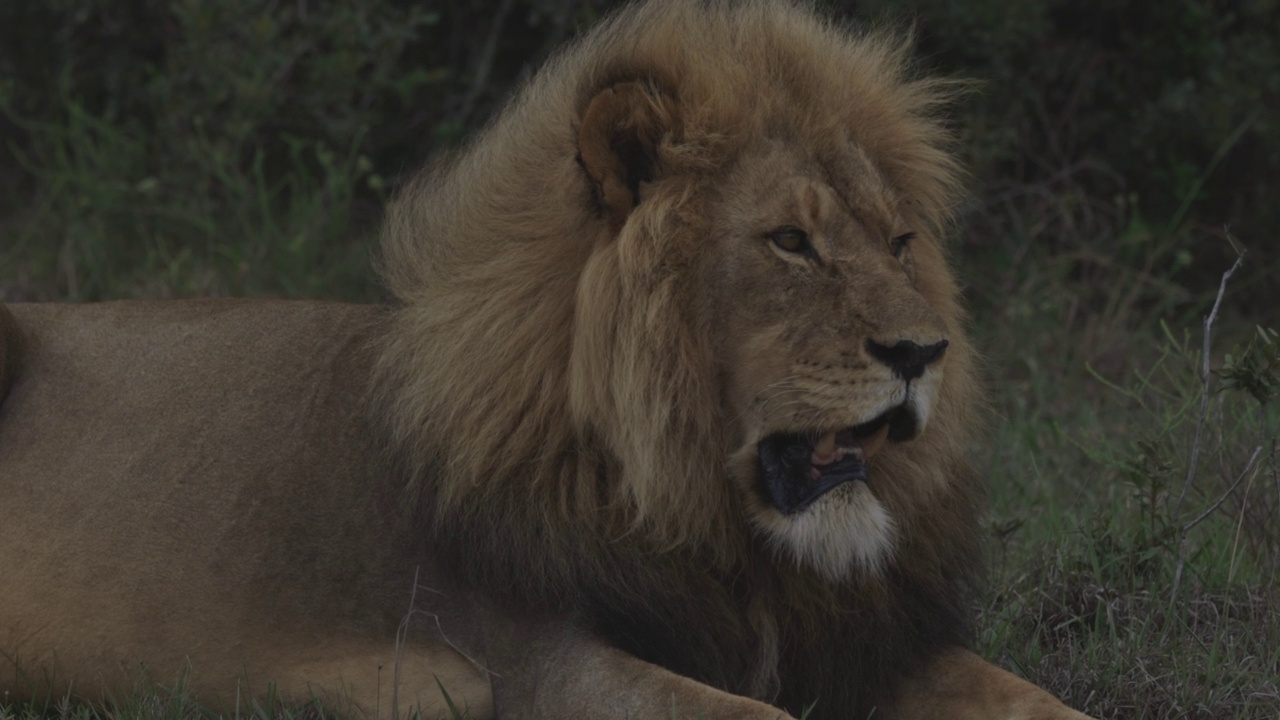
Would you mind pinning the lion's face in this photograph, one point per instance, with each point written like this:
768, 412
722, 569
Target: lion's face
830, 347
812, 308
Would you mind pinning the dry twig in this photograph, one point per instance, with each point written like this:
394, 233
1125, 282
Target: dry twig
1205, 377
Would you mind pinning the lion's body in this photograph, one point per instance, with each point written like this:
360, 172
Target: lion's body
189, 485
670, 412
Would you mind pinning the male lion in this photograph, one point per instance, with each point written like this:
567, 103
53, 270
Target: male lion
668, 419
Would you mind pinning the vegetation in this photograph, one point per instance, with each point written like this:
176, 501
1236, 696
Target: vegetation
1124, 154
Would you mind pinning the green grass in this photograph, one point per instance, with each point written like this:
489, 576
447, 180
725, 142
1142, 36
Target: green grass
1086, 466
105, 222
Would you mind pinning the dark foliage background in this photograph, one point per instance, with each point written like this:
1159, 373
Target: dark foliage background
1163, 118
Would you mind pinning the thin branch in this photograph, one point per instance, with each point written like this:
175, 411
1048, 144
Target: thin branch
485, 63
1205, 375
1186, 529
402, 634
1202, 516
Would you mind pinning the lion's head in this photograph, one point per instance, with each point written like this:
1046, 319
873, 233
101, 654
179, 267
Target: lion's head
687, 297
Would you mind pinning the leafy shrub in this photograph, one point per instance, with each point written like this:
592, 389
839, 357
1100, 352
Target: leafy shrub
216, 147
1129, 96
1096, 117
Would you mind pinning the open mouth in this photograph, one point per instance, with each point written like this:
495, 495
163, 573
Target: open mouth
797, 468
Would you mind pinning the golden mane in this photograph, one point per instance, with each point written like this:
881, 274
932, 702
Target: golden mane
495, 258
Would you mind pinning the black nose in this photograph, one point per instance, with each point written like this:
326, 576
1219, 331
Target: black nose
907, 359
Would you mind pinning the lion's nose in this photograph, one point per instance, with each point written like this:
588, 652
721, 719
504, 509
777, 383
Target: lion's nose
907, 359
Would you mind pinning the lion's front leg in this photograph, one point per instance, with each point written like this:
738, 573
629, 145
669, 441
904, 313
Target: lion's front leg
959, 685
549, 668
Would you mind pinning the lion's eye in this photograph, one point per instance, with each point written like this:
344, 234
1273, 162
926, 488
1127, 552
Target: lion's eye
899, 243
791, 239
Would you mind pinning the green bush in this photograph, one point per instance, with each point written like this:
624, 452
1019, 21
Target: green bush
1121, 96
1097, 119
196, 147
192, 147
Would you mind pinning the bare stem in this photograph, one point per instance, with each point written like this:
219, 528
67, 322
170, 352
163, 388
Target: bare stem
1186, 529
1205, 376
485, 62
1218, 503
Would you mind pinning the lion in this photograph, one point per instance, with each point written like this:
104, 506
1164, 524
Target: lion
667, 417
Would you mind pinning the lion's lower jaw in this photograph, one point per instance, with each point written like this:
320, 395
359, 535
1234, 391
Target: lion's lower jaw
846, 532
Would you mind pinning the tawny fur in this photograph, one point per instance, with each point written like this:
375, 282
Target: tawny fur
592, 332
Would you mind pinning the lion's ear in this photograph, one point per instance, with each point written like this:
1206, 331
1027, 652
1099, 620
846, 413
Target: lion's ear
618, 144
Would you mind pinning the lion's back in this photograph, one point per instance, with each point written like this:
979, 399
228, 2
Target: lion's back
170, 471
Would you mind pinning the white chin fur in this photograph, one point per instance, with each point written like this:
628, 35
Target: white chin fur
923, 395
844, 532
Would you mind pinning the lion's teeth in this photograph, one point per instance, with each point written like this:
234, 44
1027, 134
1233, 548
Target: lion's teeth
872, 444
825, 446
